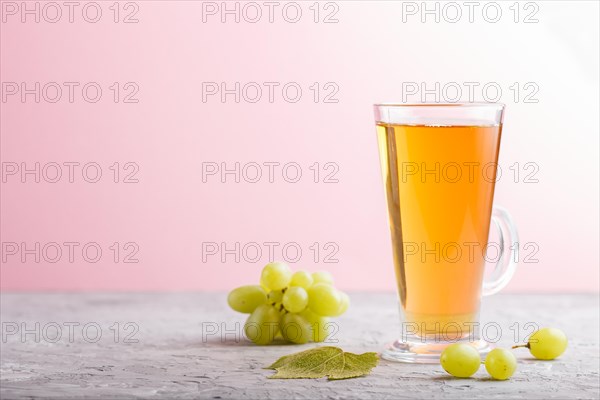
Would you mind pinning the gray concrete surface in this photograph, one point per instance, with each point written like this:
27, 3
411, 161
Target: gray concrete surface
168, 350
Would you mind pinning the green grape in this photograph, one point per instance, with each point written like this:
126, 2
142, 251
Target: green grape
295, 299
275, 296
245, 299
295, 329
322, 277
302, 279
344, 304
276, 276
263, 324
319, 325
460, 360
324, 299
501, 364
547, 343
320, 329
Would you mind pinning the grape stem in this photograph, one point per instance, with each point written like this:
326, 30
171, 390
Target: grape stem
521, 345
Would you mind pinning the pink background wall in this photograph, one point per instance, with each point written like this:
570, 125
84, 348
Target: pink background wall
370, 55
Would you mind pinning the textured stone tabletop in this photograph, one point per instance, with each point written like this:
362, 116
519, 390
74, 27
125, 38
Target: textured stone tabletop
152, 346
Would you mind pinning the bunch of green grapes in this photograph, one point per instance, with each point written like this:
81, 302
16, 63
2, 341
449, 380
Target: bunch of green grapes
462, 360
296, 306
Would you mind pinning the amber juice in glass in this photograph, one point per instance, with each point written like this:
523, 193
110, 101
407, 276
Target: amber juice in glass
439, 204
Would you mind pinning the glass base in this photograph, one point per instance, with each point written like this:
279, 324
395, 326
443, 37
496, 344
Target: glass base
421, 352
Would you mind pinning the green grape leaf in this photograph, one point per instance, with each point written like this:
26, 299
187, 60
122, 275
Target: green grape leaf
319, 362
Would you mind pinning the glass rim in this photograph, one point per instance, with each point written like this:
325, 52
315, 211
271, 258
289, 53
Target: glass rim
441, 105
473, 113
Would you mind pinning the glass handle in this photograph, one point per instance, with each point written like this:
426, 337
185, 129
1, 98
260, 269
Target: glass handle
508, 253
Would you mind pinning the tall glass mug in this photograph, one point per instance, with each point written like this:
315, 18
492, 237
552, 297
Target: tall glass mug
439, 165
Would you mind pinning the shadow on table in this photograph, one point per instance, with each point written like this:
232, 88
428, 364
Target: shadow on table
216, 341
466, 380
